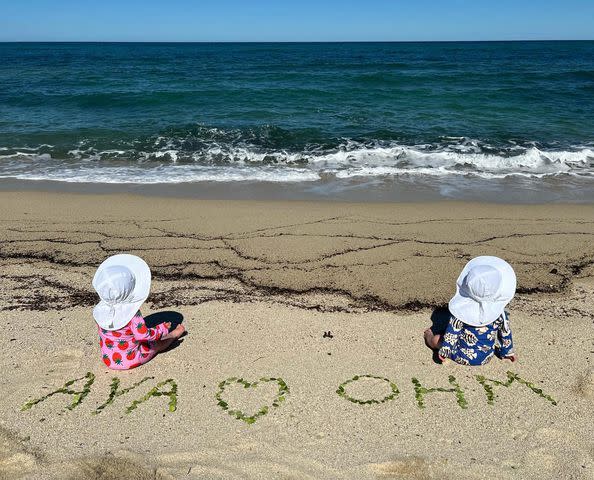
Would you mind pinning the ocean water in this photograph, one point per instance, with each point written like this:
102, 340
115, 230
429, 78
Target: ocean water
458, 119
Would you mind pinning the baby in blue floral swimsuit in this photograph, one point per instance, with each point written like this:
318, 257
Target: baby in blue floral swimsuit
478, 320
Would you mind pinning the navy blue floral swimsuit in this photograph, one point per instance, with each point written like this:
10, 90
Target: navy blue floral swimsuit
468, 345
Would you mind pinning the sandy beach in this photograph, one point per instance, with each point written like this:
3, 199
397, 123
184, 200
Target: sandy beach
258, 285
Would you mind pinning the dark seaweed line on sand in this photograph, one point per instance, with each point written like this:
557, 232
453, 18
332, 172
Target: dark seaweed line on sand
254, 292
250, 290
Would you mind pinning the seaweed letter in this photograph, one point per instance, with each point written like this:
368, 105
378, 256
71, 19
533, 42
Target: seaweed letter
489, 383
116, 392
79, 396
157, 392
421, 391
341, 391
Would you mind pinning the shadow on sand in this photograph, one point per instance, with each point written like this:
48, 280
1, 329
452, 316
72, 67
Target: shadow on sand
439, 322
155, 319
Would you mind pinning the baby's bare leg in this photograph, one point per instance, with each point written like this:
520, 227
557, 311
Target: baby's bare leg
162, 345
432, 340
169, 338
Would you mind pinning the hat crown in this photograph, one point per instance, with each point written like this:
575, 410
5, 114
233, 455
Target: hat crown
115, 284
482, 283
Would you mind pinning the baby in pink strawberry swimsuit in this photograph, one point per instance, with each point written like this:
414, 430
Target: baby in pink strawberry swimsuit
123, 284
135, 344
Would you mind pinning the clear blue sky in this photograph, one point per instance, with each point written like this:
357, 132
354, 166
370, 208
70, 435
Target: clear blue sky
299, 20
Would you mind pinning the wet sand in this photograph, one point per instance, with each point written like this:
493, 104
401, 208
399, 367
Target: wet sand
258, 284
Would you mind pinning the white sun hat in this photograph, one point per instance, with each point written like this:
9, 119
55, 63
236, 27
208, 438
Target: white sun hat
483, 289
123, 283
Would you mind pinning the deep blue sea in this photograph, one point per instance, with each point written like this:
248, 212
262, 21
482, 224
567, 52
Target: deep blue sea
451, 116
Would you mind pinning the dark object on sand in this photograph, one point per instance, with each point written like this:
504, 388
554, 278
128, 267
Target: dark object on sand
155, 319
328, 334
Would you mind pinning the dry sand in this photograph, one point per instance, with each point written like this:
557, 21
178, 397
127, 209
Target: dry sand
258, 284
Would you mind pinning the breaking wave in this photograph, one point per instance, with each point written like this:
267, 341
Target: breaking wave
269, 155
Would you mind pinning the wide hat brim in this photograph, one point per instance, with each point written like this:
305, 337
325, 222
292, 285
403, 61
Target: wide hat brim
478, 314
117, 316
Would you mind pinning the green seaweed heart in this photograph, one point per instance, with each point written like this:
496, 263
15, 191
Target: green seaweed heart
279, 398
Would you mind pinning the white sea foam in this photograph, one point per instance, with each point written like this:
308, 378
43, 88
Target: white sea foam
532, 162
227, 163
168, 174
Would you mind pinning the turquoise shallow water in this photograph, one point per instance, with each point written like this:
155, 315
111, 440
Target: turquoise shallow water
338, 114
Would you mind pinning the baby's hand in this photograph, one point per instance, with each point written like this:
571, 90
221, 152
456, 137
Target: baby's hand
512, 358
442, 359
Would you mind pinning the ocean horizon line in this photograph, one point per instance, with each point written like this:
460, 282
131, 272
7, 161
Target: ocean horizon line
231, 42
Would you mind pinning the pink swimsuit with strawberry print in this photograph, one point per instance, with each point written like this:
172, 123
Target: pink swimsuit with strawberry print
130, 346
